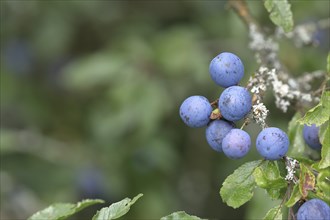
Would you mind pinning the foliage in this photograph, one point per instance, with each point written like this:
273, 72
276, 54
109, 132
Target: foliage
307, 180
180, 215
116, 210
267, 176
274, 213
296, 139
325, 152
90, 92
60, 211
238, 187
320, 113
280, 13
295, 197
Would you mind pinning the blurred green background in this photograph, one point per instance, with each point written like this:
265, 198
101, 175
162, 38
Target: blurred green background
90, 92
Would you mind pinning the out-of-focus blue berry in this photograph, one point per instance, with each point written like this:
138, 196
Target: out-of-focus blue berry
195, 111
236, 144
18, 57
226, 69
272, 143
234, 103
311, 136
216, 131
90, 182
314, 209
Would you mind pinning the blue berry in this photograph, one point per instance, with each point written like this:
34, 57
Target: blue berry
236, 144
226, 69
215, 133
314, 209
234, 103
311, 136
272, 143
195, 111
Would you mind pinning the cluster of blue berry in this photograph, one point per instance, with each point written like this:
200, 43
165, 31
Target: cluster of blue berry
234, 103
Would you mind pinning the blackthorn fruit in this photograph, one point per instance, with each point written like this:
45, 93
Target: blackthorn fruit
236, 144
311, 136
234, 103
272, 143
195, 111
314, 209
226, 69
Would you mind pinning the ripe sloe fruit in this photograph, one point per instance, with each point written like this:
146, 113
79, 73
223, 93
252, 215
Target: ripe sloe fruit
311, 136
314, 209
272, 143
226, 69
236, 144
195, 111
234, 103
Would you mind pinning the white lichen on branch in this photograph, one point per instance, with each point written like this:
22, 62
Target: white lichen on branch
265, 48
272, 73
291, 169
305, 80
304, 34
259, 114
257, 86
285, 93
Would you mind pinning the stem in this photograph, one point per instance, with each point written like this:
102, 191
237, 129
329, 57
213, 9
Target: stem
322, 88
216, 114
291, 214
284, 198
215, 103
242, 10
246, 122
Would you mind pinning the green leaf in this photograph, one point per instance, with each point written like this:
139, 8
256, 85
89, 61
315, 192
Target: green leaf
259, 177
59, 211
305, 160
295, 197
267, 176
276, 193
318, 195
274, 213
325, 151
297, 142
306, 180
116, 210
320, 113
280, 13
238, 187
180, 215
323, 183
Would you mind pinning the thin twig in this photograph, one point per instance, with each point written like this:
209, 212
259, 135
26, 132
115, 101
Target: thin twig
242, 10
215, 103
246, 122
